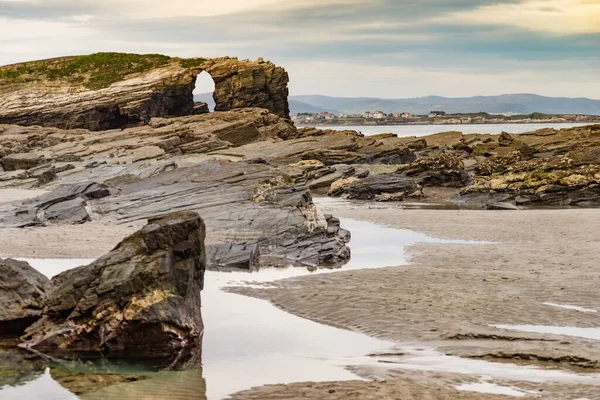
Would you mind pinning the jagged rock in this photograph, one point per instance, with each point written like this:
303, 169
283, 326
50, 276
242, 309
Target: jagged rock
242, 205
341, 186
23, 291
140, 300
442, 170
112, 90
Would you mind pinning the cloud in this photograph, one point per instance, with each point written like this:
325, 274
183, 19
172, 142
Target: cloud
564, 17
476, 42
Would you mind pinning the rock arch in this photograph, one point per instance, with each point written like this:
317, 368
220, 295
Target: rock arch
47, 93
244, 83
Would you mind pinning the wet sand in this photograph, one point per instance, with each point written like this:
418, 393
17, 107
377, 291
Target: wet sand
451, 295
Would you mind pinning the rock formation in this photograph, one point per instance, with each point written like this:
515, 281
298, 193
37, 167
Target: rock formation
254, 211
114, 90
142, 299
244, 83
23, 291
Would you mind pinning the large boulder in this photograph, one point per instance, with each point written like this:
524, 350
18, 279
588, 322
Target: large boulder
142, 299
23, 291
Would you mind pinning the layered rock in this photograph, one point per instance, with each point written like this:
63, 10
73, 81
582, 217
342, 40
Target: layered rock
244, 83
23, 291
142, 298
256, 213
113, 90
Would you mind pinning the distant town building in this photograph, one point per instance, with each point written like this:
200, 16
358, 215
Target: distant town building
378, 115
368, 114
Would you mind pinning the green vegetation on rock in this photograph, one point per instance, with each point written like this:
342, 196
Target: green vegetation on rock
94, 71
192, 62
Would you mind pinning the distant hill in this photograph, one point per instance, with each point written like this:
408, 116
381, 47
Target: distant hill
301, 107
504, 104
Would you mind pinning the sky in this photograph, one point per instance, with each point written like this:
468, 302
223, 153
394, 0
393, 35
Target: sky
350, 48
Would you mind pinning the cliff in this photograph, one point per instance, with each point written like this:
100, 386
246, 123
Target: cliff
113, 90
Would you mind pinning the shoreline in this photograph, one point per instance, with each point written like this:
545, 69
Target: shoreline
354, 123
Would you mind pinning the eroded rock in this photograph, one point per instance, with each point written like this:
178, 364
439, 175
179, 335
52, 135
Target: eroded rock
113, 90
140, 300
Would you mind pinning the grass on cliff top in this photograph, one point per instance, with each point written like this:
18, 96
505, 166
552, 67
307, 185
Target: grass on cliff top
94, 71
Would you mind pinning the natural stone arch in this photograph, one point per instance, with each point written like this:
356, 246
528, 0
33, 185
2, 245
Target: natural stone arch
245, 83
115, 90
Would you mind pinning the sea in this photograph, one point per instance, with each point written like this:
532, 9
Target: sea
424, 130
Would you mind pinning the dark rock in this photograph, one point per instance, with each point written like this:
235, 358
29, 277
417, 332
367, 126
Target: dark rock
201, 108
231, 256
23, 291
140, 300
65, 204
374, 185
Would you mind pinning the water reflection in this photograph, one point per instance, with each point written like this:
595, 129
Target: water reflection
247, 342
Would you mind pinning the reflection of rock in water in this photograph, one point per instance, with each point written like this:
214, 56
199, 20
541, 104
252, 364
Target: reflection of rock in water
18, 366
172, 385
23, 373
81, 383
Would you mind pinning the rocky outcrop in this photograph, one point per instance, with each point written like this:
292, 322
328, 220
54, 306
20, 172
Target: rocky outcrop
244, 83
545, 167
23, 291
383, 187
113, 90
256, 213
142, 298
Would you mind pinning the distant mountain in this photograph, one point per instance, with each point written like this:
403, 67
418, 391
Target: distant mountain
301, 107
504, 104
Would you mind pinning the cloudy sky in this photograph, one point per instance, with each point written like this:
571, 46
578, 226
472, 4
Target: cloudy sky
379, 48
